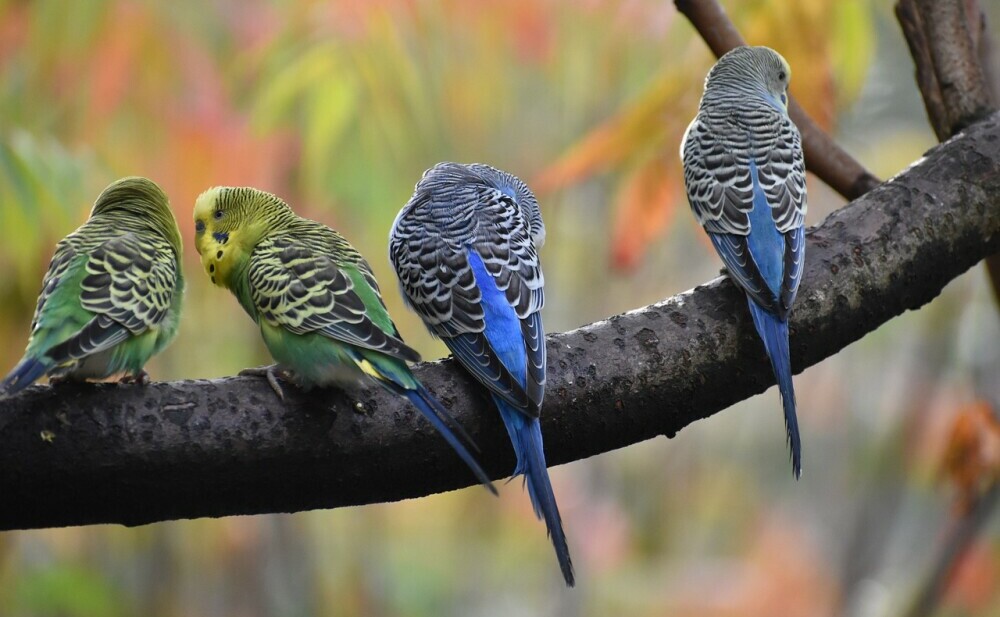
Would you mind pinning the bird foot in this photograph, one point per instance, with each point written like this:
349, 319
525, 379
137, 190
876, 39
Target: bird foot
140, 379
270, 373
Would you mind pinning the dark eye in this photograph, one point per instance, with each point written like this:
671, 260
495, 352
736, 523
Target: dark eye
782, 76
199, 226
218, 215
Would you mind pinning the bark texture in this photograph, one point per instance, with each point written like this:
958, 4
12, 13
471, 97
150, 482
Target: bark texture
945, 39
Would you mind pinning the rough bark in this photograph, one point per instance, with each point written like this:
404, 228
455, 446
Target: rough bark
952, 50
944, 37
81, 454
831, 163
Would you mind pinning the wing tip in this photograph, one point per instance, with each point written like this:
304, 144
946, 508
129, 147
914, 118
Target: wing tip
27, 372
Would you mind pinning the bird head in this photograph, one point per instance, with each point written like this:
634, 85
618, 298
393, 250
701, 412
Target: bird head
228, 224
144, 199
751, 70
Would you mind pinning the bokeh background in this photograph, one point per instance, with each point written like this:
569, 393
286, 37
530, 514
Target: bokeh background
339, 107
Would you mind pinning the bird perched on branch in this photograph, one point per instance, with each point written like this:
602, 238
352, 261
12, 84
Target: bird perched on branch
745, 178
111, 298
315, 300
465, 249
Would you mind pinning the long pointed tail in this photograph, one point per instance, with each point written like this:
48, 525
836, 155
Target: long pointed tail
774, 332
526, 435
438, 416
23, 375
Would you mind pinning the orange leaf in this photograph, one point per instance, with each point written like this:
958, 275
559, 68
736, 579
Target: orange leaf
640, 125
13, 30
115, 57
973, 586
644, 209
972, 456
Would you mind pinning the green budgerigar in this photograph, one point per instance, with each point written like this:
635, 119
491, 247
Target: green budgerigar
111, 298
315, 300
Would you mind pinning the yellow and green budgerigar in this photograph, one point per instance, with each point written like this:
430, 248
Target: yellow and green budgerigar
315, 300
111, 298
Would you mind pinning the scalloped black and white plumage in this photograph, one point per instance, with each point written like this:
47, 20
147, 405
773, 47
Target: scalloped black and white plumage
460, 207
465, 249
744, 172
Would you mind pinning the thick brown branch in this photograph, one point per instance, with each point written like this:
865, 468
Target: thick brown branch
944, 43
79, 454
988, 60
913, 31
831, 163
952, 49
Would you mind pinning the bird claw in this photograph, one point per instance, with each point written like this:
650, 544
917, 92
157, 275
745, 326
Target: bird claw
141, 378
268, 372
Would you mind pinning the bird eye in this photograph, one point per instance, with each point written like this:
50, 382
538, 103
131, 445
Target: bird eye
782, 76
199, 226
218, 215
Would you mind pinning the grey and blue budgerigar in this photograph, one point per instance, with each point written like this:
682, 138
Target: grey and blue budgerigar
465, 249
746, 182
111, 298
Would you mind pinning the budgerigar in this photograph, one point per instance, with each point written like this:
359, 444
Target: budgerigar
314, 298
111, 298
465, 249
746, 182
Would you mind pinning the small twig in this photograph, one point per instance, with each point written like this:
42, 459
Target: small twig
955, 547
831, 163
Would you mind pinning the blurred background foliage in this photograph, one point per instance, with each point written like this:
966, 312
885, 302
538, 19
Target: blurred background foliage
339, 107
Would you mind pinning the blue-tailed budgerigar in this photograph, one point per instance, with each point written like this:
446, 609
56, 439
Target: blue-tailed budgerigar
111, 298
746, 182
465, 249
315, 300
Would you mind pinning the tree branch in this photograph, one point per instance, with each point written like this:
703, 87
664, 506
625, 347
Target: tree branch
989, 61
952, 50
944, 43
958, 541
81, 454
831, 163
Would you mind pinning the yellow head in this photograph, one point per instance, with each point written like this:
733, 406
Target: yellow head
228, 224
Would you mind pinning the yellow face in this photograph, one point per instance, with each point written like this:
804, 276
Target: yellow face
217, 235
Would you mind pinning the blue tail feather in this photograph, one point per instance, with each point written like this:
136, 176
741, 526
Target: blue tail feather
439, 417
23, 375
774, 332
526, 436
